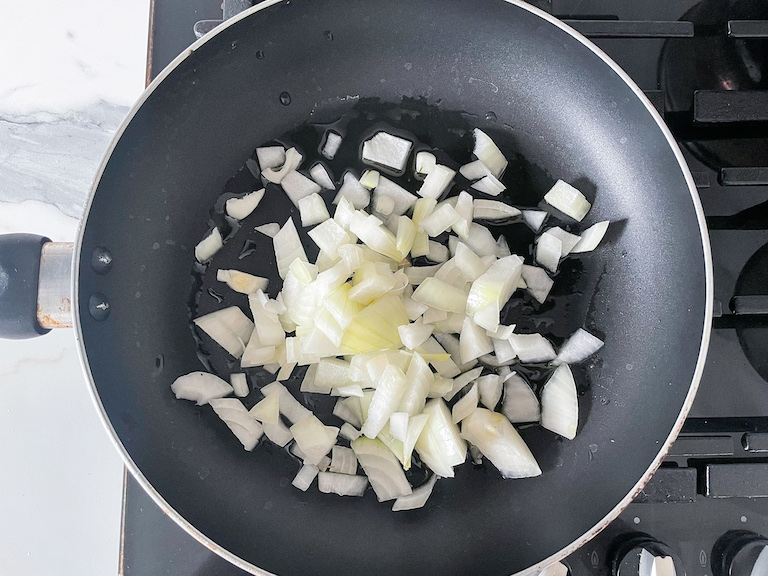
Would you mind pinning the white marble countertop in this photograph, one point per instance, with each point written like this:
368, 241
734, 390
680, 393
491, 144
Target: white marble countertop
70, 70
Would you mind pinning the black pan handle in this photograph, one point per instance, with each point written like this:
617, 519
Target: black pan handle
19, 276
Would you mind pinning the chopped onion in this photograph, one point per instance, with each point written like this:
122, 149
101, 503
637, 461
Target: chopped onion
466, 405
229, 328
208, 246
270, 156
493, 210
489, 185
437, 252
469, 263
285, 371
495, 285
382, 468
417, 498
474, 170
350, 390
293, 160
480, 240
277, 433
201, 387
241, 208
288, 247
239, 384
437, 294
580, 346
267, 411
440, 220
465, 209
549, 249
451, 325
591, 237
270, 229
569, 240
419, 382
505, 353
387, 150
436, 182
305, 476
331, 145
375, 327
314, 438
560, 403
312, 210
440, 387
403, 200
520, 403
289, 406
498, 440
329, 237
425, 161
370, 179
348, 409
235, 416
568, 200
452, 345
474, 342
502, 248
538, 283
343, 460
415, 334
440, 445
341, 484
534, 218
451, 274
398, 425
320, 174
354, 192
378, 238
461, 381
389, 391
489, 389
417, 274
241, 281
532, 347
488, 153
270, 331
349, 432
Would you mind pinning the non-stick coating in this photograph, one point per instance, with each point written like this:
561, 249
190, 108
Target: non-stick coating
556, 103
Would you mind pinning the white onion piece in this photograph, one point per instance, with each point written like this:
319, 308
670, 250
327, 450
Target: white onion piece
414, 309
289, 406
331, 145
502, 248
466, 405
591, 237
349, 432
474, 170
493, 210
538, 283
474, 342
373, 234
320, 174
235, 416
370, 179
480, 240
495, 285
382, 468
241, 208
520, 403
417, 498
201, 387
267, 325
314, 438
437, 252
403, 200
305, 476
271, 229
534, 218
569, 240
346, 391
489, 389
241, 281
560, 403
208, 246
451, 325
341, 484
440, 387
354, 192
285, 371
267, 410
548, 251
229, 328
440, 220
389, 391
437, 294
288, 247
398, 425
272, 368
579, 346
502, 332
419, 382
293, 160
277, 433
425, 161
460, 381
452, 345
415, 334
329, 237
270, 156
436, 182
239, 384
505, 353
532, 347
348, 409
387, 150
489, 185
568, 200
312, 209
343, 460
446, 368
469, 263
498, 440
488, 153
440, 445
451, 274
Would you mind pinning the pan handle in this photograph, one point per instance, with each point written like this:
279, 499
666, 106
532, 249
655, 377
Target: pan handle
35, 278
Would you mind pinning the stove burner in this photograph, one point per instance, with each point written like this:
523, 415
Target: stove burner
753, 281
713, 61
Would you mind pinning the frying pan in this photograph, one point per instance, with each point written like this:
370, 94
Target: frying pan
560, 109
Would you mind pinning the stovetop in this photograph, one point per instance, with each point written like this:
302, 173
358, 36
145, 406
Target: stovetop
704, 65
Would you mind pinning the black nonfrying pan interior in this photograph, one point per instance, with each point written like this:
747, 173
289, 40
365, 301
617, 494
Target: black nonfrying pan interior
558, 111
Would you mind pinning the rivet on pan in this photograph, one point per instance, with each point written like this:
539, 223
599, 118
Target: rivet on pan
98, 307
285, 98
259, 55
328, 35
101, 260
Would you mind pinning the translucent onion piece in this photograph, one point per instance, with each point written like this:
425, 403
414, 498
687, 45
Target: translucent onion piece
331, 145
489, 185
417, 498
498, 440
489, 389
389, 391
419, 380
502, 248
451, 325
560, 404
446, 368
349, 432
350, 390
480, 240
495, 285
242, 282
450, 273
466, 405
461, 381
329, 237
488, 153
267, 325
417, 274
370, 231
440, 445
538, 283
505, 353
341, 484
415, 334
270, 156
437, 252
312, 209
239, 384
293, 160
320, 174
569, 240
465, 209
591, 237
440, 220
375, 327
440, 387
436, 182
241, 208
382, 468
494, 210
398, 425
305, 476
208, 246
549, 249
277, 433
267, 411
568, 200
520, 403
403, 200
474, 170
343, 460
289, 406
535, 218
288, 247
235, 416
354, 192
415, 426
387, 150
348, 409
285, 371
405, 237
532, 347
425, 161
200, 387
469, 263
579, 346
438, 294
474, 342
229, 328
314, 438
270, 229
370, 179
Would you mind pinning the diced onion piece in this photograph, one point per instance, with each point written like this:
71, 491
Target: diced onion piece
201, 387
437, 294
579, 346
474, 170
349, 432
387, 150
417, 274
341, 484
569, 240
270, 229
241, 208
498, 440
535, 218
437, 252
406, 235
502, 332
538, 283
480, 240
370, 179
398, 425
289, 406
312, 209
348, 409
568, 200
446, 368
465, 406
375, 327
267, 410
403, 200
549, 249
425, 161
451, 325
532, 347
465, 209
382, 468
461, 381
493, 210
502, 248
293, 160
488, 153
415, 426
469, 263
343, 460
270, 156
452, 345
489, 185
440, 220
288, 247
560, 403
305, 476
495, 285
267, 324
241, 281
389, 391
285, 371
440, 445
419, 380
320, 174
415, 334
329, 237
436, 182
417, 498
314, 438
208, 246
378, 238
520, 403
591, 237
239, 384
229, 328
489, 389
331, 145
350, 390
450, 273
235, 416
440, 387
474, 342
277, 433
504, 352
354, 192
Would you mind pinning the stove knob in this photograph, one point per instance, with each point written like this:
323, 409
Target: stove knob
740, 553
642, 555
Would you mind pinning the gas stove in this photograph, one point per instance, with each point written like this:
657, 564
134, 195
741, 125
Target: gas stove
704, 65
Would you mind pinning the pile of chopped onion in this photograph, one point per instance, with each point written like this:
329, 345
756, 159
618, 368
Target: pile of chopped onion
400, 318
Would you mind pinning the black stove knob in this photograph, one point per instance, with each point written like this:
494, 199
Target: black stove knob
740, 553
642, 555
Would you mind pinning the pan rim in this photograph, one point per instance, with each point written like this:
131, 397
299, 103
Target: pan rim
564, 552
